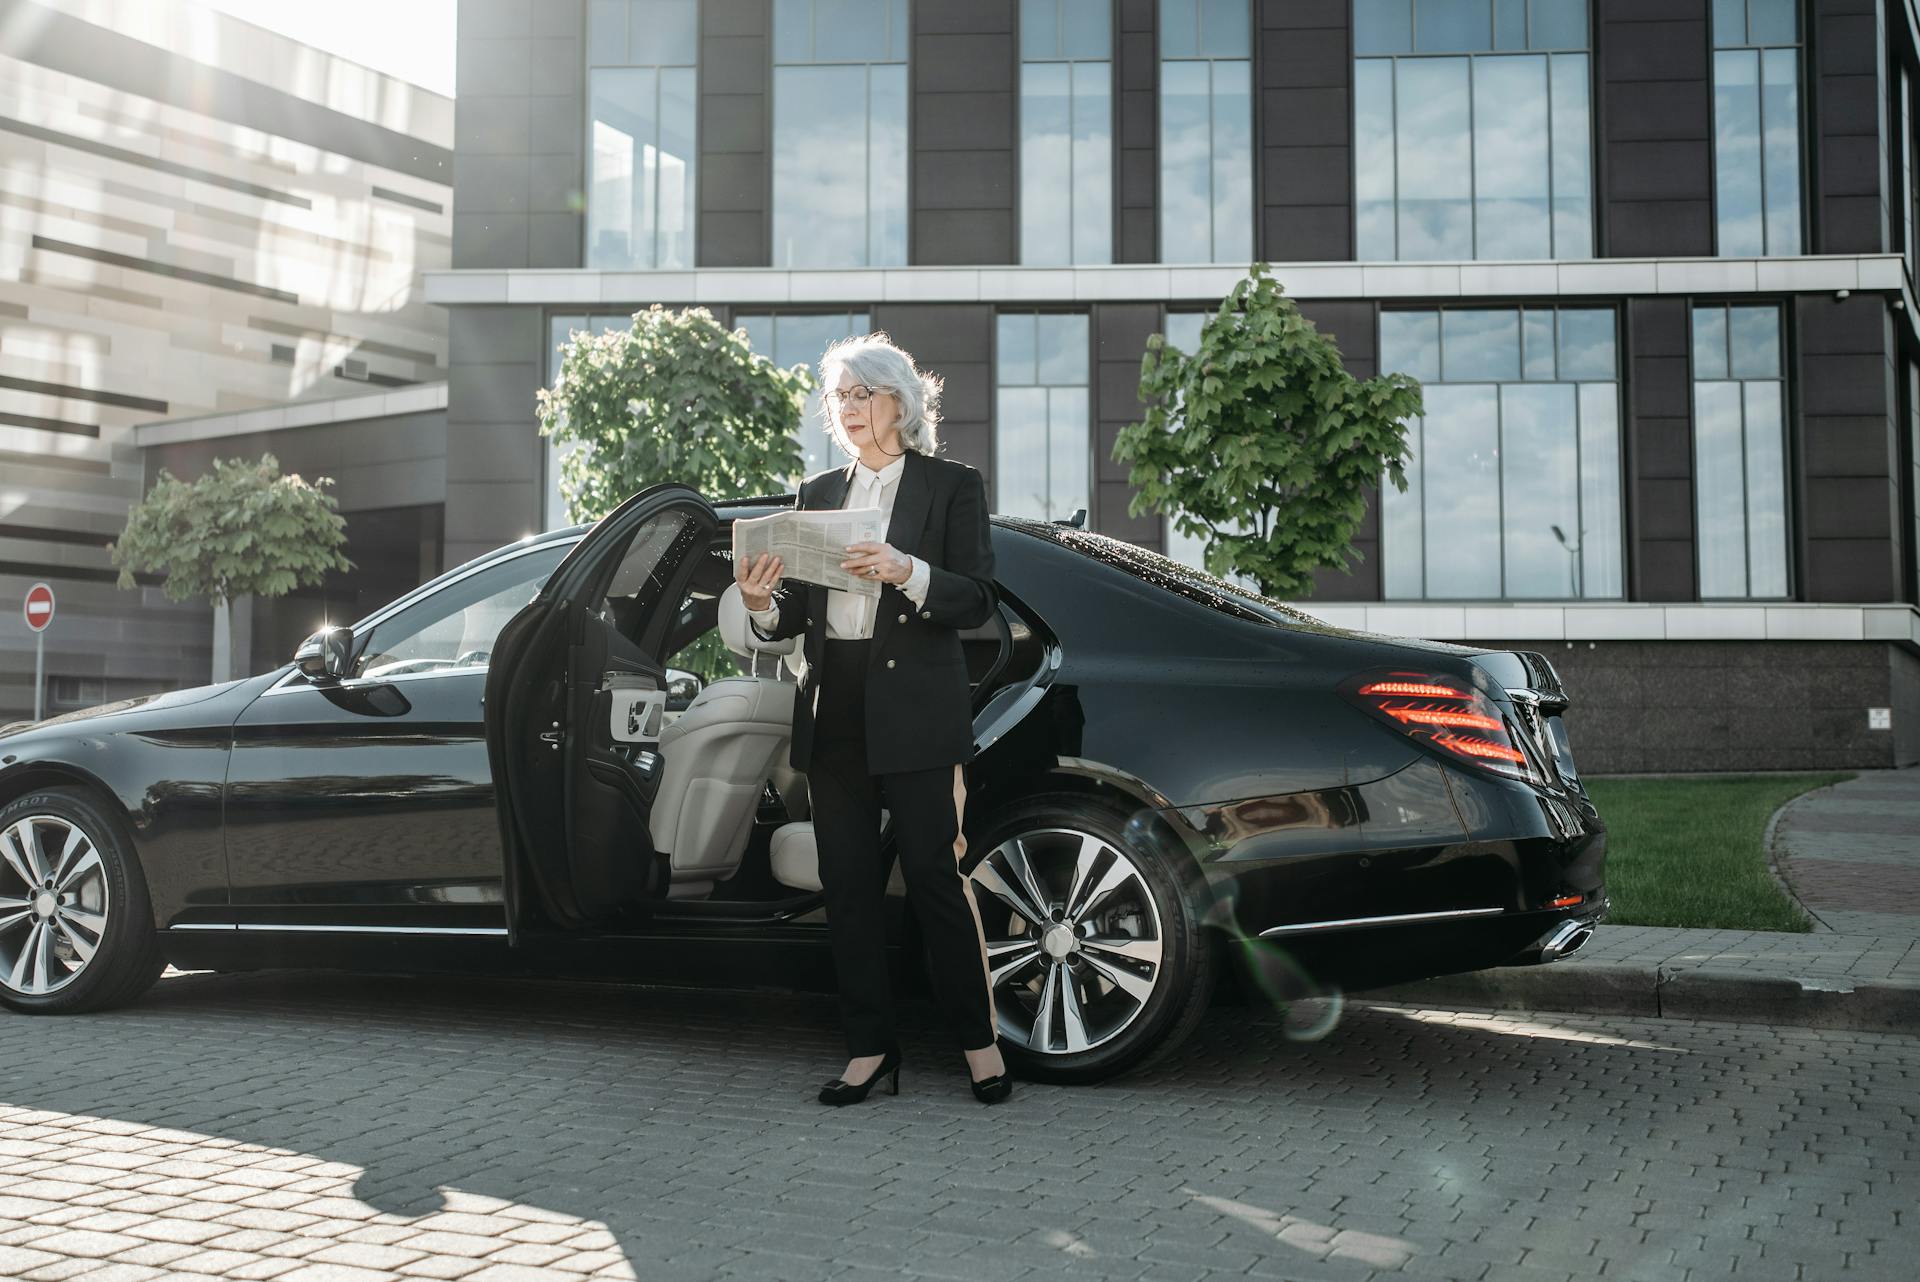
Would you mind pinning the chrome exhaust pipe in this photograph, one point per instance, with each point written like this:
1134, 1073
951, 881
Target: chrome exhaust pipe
1564, 940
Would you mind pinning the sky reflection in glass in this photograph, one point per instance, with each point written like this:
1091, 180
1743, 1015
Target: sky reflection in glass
1514, 480
1739, 444
1042, 422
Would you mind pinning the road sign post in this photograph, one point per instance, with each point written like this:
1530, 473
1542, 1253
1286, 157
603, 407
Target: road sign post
39, 612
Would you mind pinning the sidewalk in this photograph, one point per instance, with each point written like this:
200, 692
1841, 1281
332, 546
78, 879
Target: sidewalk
1850, 854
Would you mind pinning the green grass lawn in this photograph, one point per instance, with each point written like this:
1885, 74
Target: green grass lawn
1687, 852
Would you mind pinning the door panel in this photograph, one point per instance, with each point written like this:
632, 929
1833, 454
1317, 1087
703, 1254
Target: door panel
574, 799
371, 801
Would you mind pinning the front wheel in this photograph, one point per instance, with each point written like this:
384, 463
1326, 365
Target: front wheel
76, 932
1095, 950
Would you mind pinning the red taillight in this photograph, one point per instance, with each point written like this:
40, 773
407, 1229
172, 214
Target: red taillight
1448, 714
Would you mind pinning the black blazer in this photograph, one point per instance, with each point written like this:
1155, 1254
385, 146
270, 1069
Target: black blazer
918, 711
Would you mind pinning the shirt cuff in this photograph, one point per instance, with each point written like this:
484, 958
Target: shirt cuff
916, 585
765, 620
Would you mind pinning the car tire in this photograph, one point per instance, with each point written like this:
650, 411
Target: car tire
76, 924
1153, 908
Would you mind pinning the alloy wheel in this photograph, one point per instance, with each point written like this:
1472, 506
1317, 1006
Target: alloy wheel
53, 904
1077, 951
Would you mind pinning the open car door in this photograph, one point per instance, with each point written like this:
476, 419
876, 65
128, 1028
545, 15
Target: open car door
575, 697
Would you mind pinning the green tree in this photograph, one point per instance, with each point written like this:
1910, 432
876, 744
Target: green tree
1262, 442
675, 397
241, 530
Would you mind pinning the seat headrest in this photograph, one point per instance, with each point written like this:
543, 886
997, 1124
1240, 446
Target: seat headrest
736, 633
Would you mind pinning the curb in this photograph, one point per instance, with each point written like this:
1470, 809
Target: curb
1674, 992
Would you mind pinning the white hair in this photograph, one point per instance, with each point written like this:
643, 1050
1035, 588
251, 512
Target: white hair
874, 360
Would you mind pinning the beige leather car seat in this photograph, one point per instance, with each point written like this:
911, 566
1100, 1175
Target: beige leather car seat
718, 756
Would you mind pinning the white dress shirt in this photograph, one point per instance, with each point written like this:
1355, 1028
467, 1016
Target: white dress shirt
850, 615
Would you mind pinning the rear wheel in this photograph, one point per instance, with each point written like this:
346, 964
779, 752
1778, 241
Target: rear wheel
76, 929
1095, 948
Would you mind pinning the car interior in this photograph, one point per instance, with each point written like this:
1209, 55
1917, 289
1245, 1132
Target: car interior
731, 815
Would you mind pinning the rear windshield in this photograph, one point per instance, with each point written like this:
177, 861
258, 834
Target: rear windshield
1163, 572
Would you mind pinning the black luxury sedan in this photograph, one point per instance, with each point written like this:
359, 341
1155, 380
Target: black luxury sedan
501, 772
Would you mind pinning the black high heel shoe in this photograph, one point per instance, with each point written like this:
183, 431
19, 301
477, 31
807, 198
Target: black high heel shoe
993, 1090
838, 1092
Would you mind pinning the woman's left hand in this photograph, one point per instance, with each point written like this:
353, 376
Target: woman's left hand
890, 564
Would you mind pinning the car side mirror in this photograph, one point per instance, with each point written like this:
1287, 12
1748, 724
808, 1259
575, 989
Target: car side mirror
322, 658
683, 688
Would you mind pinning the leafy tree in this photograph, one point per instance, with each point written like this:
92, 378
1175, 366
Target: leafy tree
676, 397
1262, 442
242, 529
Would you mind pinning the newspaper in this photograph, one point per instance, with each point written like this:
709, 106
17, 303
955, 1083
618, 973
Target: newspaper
811, 545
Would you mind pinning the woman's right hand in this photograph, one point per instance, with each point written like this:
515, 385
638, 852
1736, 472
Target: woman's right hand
757, 579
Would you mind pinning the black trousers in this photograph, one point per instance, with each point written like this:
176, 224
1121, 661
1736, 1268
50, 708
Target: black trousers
926, 807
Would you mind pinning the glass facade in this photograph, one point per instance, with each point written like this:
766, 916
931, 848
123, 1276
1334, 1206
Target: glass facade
1513, 487
840, 133
1739, 450
801, 339
1066, 131
1756, 126
1043, 440
1471, 129
1206, 131
640, 133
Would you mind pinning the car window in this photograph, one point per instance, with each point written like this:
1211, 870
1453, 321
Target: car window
456, 626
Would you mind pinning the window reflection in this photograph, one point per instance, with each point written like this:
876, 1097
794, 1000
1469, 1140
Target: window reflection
1481, 154
789, 340
640, 134
1739, 448
1042, 423
1066, 132
1514, 476
1756, 127
840, 133
1206, 131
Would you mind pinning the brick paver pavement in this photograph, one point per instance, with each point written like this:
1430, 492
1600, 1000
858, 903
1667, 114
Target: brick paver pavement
1851, 854
325, 1128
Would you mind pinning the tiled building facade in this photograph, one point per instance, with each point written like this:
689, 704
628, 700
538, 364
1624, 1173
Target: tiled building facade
197, 217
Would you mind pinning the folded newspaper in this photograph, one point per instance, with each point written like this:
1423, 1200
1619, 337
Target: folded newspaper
811, 545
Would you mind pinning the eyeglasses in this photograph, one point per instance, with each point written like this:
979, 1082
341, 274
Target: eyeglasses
857, 396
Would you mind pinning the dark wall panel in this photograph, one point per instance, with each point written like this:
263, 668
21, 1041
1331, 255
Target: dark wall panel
520, 167
1304, 68
495, 467
735, 179
1659, 453
966, 159
1851, 536
1137, 140
1849, 164
955, 341
1120, 332
1653, 76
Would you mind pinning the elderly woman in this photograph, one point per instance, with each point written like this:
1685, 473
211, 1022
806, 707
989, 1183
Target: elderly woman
882, 716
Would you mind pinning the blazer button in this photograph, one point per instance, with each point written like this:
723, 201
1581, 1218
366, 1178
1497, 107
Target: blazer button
903, 618
889, 663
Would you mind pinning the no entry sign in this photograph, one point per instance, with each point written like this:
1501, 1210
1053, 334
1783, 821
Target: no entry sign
39, 610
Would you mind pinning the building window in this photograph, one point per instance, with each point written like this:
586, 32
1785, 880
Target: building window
789, 340
640, 134
1756, 126
1907, 245
1066, 131
1043, 443
1206, 131
1739, 451
1513, 488
1913, 460
1471, 129
840, 133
